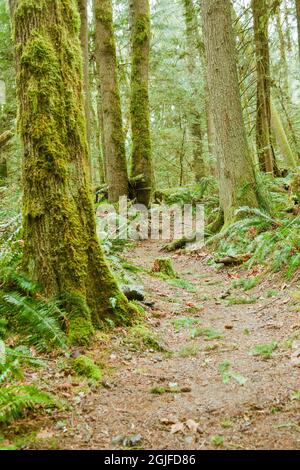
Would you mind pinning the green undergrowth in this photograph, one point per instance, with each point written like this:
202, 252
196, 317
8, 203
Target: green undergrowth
264, 350
183, 284
16, 399
34, 329
271, 236
84, 366
141, 337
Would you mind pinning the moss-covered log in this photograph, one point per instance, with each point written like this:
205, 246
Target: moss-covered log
179, 244
140, 114
61, 249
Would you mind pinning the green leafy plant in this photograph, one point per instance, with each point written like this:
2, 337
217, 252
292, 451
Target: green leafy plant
217, 441
264, 350
227, 374
189, 350
247, 283
183, 284
184, 322
38, 320
209, 333
14, 400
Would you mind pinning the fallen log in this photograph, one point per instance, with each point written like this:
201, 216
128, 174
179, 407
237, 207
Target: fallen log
234, 260
178, 244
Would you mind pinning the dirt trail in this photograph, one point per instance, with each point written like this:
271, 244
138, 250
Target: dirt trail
260, 414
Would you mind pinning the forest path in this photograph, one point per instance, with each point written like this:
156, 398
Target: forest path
217, 392
262, 413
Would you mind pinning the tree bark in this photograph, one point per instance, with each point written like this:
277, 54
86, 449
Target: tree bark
141, 160
5, 137
281, 139
84, 40
113, 135
263, 113
236, 174
61, 249
298, 23
195, 115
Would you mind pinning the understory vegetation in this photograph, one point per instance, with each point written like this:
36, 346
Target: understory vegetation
106, 101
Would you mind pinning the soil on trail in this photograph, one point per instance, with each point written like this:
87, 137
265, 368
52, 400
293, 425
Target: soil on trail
217, 394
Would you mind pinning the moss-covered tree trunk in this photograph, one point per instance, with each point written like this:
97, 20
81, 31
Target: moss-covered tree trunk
195, 123
4, 139
84, 40
263, 112
290, 159
61, 249
236, 174
141, 163
297, 2
113, 135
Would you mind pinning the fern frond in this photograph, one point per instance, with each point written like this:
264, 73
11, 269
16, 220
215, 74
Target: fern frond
14, 400
37, 319
256, 212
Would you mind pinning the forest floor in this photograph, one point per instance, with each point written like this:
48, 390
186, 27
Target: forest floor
204, 389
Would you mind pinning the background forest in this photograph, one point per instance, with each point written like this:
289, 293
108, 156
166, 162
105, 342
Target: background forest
165, 102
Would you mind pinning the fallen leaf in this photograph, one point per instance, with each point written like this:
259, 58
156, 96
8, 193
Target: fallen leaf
295, 358
185, 389
177, 427
192, 425
168, 421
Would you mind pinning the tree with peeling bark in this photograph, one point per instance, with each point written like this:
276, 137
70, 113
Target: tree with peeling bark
61, 249
113, 135
141, 159
237, 184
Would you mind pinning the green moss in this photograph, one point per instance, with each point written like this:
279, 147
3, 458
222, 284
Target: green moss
85, 366
141, 337
80, 328
140, 114
164, 266
25, 7
106, 57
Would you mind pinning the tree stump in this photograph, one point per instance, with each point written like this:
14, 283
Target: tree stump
164, 266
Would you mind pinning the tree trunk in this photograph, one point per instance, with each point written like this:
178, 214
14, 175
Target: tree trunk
281, 139
283, 59
84, 40
4, 139
236, 174
140, 114
113, 135
61, 249
195, 115
298, 23
263, 113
